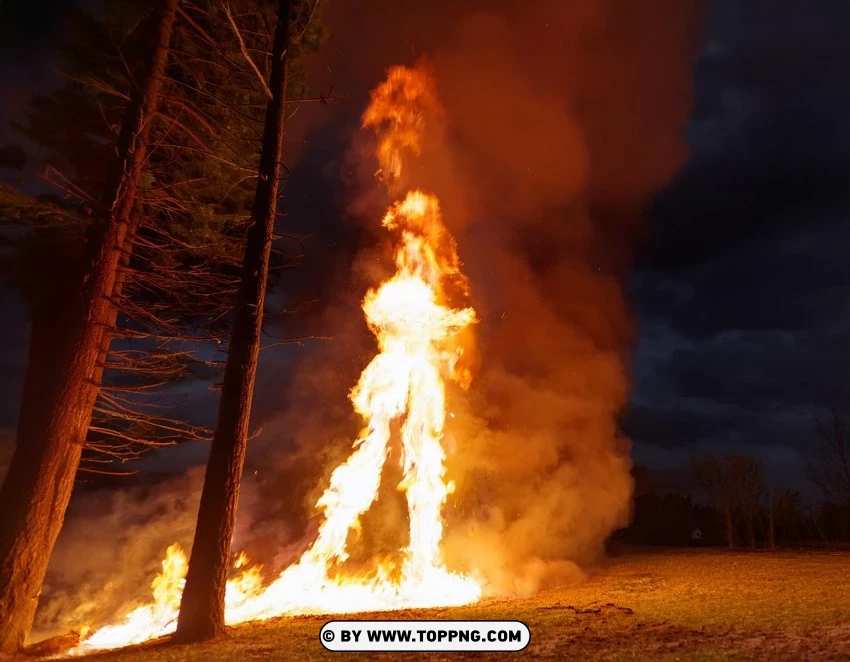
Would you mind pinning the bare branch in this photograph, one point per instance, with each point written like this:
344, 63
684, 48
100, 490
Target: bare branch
245, 53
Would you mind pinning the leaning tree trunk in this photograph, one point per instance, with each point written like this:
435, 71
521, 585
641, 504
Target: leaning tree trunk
58, 399
202, 607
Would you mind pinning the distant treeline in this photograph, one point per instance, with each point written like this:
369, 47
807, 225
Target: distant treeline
732, 504
674, 519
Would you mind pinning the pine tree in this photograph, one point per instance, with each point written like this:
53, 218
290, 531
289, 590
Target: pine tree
202, 608
51, 429
179, 275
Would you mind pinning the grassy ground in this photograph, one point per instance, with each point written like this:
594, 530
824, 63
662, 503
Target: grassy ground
685, 605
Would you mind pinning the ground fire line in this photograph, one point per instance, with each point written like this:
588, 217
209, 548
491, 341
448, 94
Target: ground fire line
417, 331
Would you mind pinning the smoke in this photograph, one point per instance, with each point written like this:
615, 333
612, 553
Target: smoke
112, 545
563, 119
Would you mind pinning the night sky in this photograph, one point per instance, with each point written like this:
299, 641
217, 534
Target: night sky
742, 293
740, 288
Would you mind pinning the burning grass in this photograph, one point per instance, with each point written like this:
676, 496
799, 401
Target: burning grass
687, 605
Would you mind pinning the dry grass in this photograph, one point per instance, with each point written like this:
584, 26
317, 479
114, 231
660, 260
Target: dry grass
685, 605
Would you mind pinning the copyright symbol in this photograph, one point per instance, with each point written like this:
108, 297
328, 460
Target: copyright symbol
328, 635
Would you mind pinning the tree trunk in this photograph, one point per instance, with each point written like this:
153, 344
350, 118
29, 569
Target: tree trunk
821, 533
111, 323
58, 399
771, 526
730, 526
751, 530
202, 607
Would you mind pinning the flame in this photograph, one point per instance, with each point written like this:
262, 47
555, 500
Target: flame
153, 620
398, 112
417, 332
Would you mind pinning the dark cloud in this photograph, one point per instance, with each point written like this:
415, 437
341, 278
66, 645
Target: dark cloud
770, 133
742, 292
793, 281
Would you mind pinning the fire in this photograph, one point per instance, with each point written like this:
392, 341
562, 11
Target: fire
417, 332
398, 111
151, 620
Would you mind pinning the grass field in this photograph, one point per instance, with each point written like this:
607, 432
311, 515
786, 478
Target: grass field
644, 605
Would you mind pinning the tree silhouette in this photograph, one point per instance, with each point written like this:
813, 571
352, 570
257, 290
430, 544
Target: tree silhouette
829, 464
735, 486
